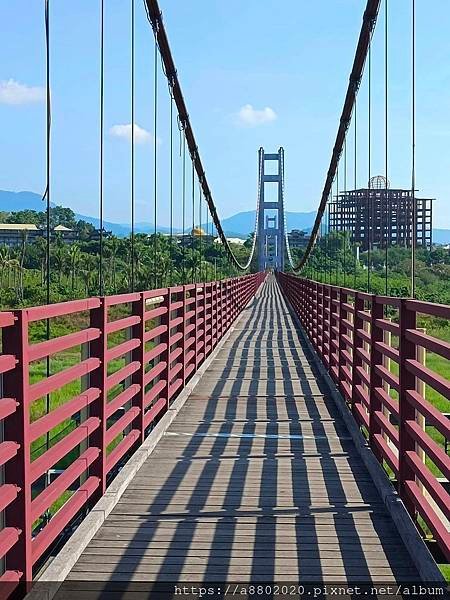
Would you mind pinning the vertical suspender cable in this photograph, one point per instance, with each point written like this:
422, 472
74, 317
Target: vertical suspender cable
201, 231
132, 147
385, 216
48, 186
345, 208
327, 225
336, 233
207, 229
355, 174
413, 151
194, 270
322, 251
102, 74
155, 169
48, 144
183, 200
171, 193
369, 211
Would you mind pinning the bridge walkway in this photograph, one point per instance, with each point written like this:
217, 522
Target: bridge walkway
257, 479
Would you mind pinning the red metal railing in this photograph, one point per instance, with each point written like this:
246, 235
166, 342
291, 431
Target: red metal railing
370, 345
114, 374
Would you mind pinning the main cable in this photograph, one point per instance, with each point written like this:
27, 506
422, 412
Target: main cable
154, 16
368, 25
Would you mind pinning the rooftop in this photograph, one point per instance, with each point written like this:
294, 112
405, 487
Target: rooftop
18, 227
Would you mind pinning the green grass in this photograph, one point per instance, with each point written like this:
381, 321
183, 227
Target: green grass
59, 362
445, 570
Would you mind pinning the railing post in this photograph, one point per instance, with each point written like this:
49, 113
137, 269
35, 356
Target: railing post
98, 377
203, 287
219, 310
358, 324
333, 322
323, 318
376, 359
421, 357
214, 303
342, 345
407, 351
137, 354
183, 341
166, 321
16, 428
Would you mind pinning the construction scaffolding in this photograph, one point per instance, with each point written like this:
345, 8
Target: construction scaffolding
379, 216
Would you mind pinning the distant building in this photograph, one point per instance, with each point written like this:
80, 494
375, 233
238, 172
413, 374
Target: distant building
298, 238
195, 234
13, 234
66, 234
238, 241
379, 216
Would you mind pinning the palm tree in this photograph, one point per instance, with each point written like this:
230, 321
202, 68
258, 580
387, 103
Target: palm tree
60, 258
23, 249
74, 260
4, 260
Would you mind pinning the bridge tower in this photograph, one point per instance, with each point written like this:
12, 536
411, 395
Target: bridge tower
271, 226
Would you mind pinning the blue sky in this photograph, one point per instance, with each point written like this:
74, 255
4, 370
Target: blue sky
253, 73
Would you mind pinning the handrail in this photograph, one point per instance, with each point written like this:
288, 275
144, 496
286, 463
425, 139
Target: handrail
127, 363
348, 331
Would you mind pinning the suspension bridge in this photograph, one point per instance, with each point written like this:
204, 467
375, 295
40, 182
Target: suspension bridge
265, 427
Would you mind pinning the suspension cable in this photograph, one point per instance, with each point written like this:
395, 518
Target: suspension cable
132, 147
336, 233
48, 188
200, 231
286, 237
345, 216
365, 36
155, 167
413, 150
102, 108
193, 268
154, 16
385, 216
171, 194
369, 211
48, 145
355, 183
183, 202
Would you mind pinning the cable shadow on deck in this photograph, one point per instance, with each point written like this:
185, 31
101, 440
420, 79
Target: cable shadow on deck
251, 487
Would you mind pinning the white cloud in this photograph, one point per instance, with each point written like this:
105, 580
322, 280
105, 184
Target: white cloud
250, 116
141, 135
13, 92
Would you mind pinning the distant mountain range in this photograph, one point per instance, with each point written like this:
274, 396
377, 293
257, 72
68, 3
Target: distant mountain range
239, 225
15, 201
243, 223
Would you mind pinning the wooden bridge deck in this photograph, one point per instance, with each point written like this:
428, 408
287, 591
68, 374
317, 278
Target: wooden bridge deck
257, 479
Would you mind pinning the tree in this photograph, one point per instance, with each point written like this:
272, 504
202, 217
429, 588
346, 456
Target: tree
74, 260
